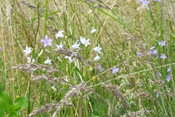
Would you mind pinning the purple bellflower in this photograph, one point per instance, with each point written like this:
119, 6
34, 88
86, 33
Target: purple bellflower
155, 52
159, 74
169, 69
163, 56
145, 3
157, 0
47, 41
168, 77
99, 67
139, 54
157, 94
115, 70
162, 43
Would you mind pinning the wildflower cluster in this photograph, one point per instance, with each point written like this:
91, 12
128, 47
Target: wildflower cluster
154, 52
82, 41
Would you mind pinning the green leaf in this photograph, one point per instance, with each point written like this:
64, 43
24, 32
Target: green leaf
5, 101
1, 111
13, 114
20, 103
111, 16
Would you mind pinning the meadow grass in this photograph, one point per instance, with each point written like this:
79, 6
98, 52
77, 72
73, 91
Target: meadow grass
134, 80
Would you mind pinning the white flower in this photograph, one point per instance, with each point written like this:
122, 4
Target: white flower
59, 58
93, 30
66, 79
70, 59
76, 45
30, 60
28, 50
96, 58
98, 49
84, 41
59, 34
59, 46
48, 61
54, 88
40, 53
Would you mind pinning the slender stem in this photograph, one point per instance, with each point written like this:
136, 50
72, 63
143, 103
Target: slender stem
45, 30
167, 41
45, 26
37, 30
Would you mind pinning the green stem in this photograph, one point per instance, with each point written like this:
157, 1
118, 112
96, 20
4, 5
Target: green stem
45, 30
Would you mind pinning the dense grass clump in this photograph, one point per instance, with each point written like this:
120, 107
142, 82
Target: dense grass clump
87, 58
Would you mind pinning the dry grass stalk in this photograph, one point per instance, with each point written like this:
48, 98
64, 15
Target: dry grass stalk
34, 67
160, 82
109, 109
44, 77
117, 93
34, 7
66, 101
72, 53
144, 94
50, 79
137, 114
169, 92
46, 108
74, 91
29, 4
87, 95
98, 3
